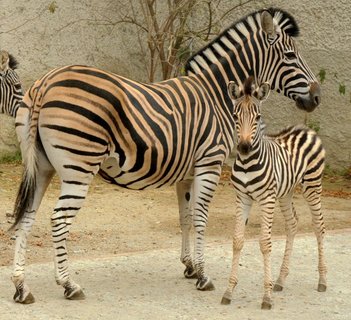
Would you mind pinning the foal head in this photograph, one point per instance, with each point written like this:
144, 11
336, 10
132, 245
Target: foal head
247, 101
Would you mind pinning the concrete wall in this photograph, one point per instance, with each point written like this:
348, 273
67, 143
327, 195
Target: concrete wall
84, 32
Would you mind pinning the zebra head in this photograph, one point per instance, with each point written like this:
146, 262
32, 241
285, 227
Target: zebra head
282, 65
11, 92
247, 111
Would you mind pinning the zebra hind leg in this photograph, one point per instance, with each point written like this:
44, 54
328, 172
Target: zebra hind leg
23, 293
288, 210
312, 194
73, 193
184, 193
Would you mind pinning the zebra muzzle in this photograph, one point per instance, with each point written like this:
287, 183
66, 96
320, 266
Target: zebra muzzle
244, 147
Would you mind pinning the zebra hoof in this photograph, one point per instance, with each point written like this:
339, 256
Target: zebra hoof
226, 301
266, 305
321, 287
277, 287
19, 298
190, 273
75, 294
204, 284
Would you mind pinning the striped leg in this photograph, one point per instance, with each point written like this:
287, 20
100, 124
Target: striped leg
312, 194
266, 248
205, 183
290, 216
184, 193
243, 206
73, 193
23, 294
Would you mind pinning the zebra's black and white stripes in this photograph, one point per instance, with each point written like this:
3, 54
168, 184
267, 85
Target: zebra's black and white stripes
268, 168
11, 93
79, 121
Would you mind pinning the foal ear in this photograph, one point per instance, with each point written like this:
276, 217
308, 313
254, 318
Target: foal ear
263, 91
267, 24
4, 61
234, 90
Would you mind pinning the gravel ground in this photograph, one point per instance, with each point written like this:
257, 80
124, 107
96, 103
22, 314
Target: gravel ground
150, 285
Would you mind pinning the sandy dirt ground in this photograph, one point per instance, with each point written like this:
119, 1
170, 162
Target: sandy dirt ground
134, 236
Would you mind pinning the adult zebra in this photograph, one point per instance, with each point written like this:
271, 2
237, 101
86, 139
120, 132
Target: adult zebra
80, 121
268, 168
11, 92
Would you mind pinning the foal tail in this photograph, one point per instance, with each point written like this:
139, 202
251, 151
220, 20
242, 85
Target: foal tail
27, 129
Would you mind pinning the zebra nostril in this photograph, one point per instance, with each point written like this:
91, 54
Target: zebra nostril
244, 147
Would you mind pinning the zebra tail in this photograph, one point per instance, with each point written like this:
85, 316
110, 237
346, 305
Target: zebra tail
26, 191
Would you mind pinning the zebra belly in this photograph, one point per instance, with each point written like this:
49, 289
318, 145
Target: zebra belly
112, 172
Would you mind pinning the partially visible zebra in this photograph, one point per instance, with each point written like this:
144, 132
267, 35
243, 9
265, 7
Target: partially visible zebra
268, 168
11, 92
79, 121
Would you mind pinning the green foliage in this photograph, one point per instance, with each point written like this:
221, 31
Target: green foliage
313, 124
322, 73
14, 157
342, 88
345, 173
53, 6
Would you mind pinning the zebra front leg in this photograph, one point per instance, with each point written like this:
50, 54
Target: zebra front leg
242, 211
71, 199
266, 249
23, 293
312, 195
290, 217
205, 184
184, 193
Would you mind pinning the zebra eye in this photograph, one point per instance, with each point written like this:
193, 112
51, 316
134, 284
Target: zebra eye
18, 86
235, 117
258, 117
290, 55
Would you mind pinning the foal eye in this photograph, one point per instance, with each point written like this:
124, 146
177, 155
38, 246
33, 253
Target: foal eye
235, 117
290, 55
258, 117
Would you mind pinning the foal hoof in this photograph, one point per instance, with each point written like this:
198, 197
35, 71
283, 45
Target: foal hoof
277, 287
321, 287
18, 297
190, 273
266, 305
77, 294
204, 284
225, 301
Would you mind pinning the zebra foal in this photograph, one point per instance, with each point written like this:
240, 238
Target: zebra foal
268, 168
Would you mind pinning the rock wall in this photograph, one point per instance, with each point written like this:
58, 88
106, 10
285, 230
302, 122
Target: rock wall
46, 34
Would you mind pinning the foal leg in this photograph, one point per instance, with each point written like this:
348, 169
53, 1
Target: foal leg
43, 178
243, 206
266, 248
288, 210
184, 193
312, 194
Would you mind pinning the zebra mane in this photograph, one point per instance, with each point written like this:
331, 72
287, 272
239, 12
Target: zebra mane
13, 64
248, 86
249, 23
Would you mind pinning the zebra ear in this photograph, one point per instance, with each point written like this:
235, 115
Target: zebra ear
268, 24
4, 61
263, 91
234, 90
